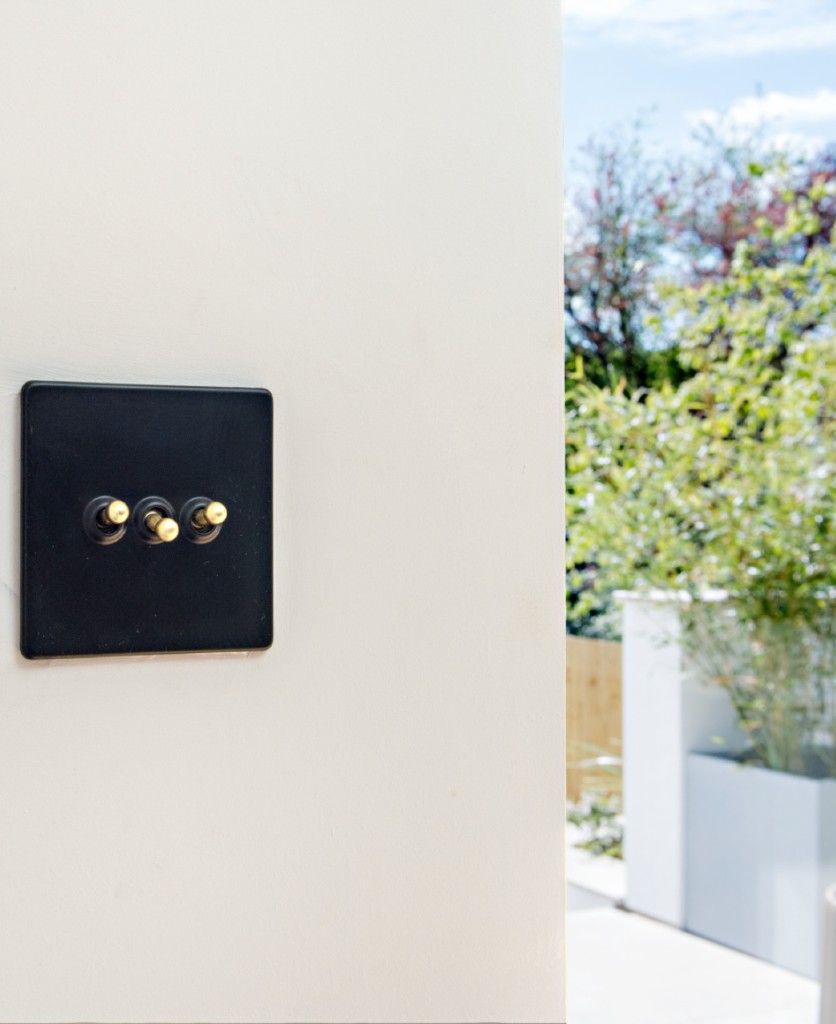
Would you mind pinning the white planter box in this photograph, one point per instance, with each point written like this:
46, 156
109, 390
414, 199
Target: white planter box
667, 712
760, 852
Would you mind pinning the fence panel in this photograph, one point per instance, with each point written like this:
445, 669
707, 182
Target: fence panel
593, 713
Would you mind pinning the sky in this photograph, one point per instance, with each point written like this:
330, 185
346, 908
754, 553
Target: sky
688, 62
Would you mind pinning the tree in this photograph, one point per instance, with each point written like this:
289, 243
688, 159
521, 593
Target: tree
636, 220
733, 191
724, 480
728, 480
614, 247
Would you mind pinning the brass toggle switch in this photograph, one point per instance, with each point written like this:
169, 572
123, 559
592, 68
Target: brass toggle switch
155, 522
113, 514
201, 519
209, 515
105, 519
163, 527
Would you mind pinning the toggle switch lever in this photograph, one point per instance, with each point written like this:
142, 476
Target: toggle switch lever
154, 521
201, 519
113, 514
105, 518
209, 515
163, 527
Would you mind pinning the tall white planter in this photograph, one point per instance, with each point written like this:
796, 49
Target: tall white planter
761, 851
666, 714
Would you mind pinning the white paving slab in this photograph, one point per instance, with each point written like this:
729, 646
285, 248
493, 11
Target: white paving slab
627, 969
602, 875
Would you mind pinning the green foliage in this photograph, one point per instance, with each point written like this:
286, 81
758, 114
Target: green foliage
599, 814
591, 613
727, 479
779, 676
601, 823
633, 218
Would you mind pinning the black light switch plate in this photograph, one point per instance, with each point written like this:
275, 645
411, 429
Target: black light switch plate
82, 441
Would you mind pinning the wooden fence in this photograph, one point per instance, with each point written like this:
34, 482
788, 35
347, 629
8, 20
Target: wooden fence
593, 714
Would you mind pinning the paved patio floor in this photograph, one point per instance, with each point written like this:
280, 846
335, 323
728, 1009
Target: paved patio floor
626, 969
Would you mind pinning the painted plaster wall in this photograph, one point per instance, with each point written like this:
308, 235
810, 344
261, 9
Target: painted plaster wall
354, 204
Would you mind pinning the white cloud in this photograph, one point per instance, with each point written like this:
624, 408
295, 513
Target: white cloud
775, 110
813, 108
782, 118
705, 27
780, 34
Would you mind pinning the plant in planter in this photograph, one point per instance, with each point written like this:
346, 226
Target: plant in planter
728, 481
599, 819
779, 675
598, 815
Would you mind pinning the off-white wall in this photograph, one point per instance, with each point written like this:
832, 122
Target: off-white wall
354, 204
